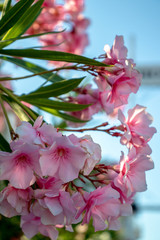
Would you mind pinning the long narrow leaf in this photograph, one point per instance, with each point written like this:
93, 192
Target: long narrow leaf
51, 56
6, 7
13, 15
62, 115
69, 107
24, 22
33, 68
54, 90
31, 36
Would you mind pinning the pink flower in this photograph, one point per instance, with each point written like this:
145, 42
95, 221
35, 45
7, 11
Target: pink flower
86, 95
39, 134
117, 83
15, 201
137, 128
118, 51
19, 166
55, 208
92, 149
74, 7
132, 169
62, 159
31, 225
101, 204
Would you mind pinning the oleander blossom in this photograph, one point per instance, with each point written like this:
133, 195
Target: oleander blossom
15, 201
19, 166
62, 157
103, 206
137, 130
92, 149
131, 177
57, 17
86, 95
117, 83
31, 225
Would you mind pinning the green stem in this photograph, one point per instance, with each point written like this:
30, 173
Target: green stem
14, 97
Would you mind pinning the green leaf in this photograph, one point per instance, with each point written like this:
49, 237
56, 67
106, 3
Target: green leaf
6, 7
52, 56
54, 90
33, 68
16, 108
29, 36
24, 22
13, 15
62, 115
4, 145
48, 103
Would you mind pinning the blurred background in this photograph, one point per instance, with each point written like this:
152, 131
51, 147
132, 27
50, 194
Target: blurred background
138, 21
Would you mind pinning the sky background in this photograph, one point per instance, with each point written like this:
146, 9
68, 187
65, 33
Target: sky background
139, 22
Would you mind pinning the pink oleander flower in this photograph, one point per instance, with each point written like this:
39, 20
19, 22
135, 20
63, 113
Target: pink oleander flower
137, 128
31, 225
117, 83
62, 159
92, 149
19, 166
55, 208
52, 15
74, 7
86, 95
40, 133
15, 201
102, 205
118, 51
131, 177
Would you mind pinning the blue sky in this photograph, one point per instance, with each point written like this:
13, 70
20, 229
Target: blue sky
137, 19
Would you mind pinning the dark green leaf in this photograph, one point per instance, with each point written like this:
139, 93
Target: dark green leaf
29, 36
13, 15
69, 107
62, 115
24, 22
52, 56
6, 7
33, 68
54, 90
4, 145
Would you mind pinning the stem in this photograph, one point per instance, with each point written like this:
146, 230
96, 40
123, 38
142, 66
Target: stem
109, 130
88, 69
26, 109
74, 67
12, 133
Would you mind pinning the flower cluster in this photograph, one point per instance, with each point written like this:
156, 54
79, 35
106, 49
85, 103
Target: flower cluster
48, 174
114, 83
68, 16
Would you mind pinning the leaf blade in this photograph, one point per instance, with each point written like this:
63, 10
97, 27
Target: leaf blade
33, 68
55, 89
69, 107
22, 24
52, 56
13, 15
